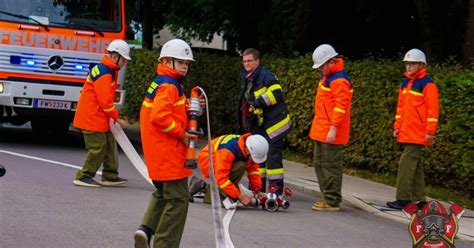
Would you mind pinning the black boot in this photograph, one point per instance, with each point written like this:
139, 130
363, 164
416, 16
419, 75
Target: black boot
142, 237
196, 185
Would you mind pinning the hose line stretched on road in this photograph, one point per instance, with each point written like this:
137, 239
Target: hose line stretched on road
222, 237
129, 150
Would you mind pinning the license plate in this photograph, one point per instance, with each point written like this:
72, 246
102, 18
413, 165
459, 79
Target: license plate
50, 104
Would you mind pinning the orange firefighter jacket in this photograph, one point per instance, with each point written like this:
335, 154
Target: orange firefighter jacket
163, 121
96, 103
332, 105
226, 150
417, 109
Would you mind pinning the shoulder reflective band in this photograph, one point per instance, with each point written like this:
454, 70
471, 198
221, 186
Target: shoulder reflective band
170, 127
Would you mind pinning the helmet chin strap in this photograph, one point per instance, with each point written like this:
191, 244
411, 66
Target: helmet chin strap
174, 66
117, 60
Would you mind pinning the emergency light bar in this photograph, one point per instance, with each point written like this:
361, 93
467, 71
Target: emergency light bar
16, 60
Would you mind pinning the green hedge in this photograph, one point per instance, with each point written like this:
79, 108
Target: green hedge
449, 163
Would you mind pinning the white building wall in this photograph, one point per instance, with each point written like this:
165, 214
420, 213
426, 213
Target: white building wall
165, 35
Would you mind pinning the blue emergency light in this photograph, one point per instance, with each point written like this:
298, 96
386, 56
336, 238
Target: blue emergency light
30, 62
79, 67
16, 60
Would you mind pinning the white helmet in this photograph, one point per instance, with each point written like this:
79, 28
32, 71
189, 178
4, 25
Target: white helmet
258, 147
415, 55
177, 49
322, 54
121, 47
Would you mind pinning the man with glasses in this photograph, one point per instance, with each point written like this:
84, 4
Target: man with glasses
262, 110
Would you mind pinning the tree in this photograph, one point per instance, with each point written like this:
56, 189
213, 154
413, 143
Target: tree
290, 27
151, 14
443, 26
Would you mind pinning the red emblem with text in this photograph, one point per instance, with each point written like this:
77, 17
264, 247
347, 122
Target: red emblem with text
433, 225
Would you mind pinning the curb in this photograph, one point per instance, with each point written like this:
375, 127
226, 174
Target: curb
301, 186
357, 203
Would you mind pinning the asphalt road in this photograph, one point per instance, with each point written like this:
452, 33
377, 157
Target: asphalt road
40, 207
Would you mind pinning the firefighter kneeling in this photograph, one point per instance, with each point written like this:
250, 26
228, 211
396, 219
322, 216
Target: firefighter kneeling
232, 156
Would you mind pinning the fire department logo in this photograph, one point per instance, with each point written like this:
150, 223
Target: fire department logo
433, 225
55, 62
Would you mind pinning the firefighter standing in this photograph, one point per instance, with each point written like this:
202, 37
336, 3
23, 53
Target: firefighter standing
233, 155
415, 126
163, 124
94, 110
262, 110
331, 125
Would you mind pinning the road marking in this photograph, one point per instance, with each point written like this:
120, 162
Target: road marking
44, 160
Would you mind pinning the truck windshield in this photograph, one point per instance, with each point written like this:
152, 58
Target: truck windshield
100, 15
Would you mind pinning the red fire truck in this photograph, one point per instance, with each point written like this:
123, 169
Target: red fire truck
46, 50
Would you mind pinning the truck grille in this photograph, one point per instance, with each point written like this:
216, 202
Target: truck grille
18, 59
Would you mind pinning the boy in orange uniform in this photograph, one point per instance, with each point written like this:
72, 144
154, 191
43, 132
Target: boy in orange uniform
163, 124
331, 125
233, 155
94, 110
415, 126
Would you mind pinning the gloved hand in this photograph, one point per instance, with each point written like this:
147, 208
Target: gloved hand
255, 103
114, 115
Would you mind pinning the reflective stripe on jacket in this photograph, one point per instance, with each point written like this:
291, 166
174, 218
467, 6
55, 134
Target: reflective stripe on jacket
332, 105
417, 109
226, 150
163, 122
96, 102
270, 112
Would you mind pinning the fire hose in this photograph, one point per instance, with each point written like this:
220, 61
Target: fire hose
222, 236
128, 149
221, 233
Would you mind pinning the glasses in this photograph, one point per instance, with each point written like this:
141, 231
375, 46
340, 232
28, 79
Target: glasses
248, 61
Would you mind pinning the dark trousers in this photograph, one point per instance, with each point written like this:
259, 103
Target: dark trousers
167, 212
102, 150
236, 173
327, 162
410, 176
273, 166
